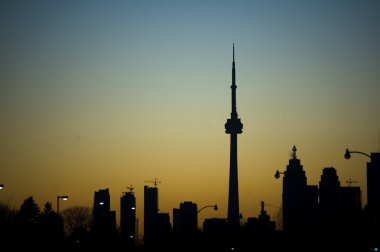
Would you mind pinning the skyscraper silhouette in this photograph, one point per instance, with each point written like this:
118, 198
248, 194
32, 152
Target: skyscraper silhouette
335, 199
373, 185
157, 227
185, 219
150, 212
329, 190
233, 127
299, 200
128, 218
104, 218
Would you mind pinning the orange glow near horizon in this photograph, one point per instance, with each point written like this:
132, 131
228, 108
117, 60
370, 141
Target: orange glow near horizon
125, 93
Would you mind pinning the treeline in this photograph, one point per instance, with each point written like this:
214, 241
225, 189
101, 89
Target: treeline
32, 227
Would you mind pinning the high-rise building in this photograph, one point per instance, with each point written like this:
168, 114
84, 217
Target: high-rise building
104, 218
340, 207
128, 218
185, 219
329, 190
101, 205
150, 211
350, 198
299, 201
333, 198
233, 127
157, 227
373, 184
163, 228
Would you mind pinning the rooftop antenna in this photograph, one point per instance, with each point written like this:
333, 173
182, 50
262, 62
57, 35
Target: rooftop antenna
349, 182
130, 188
293, 153
155, 182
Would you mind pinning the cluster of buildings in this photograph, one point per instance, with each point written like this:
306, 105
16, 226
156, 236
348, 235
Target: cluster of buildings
329, 207
304, 205
330, 210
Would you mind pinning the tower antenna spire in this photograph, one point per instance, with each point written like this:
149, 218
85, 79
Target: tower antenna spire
233, 52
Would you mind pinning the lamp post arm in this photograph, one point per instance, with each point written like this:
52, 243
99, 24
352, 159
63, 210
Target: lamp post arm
213, 206
359, 152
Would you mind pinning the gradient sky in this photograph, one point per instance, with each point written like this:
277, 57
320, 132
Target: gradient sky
105, 94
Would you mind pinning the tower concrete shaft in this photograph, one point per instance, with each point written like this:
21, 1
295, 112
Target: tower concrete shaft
233, 127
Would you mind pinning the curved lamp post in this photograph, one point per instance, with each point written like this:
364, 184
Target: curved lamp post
373, 176
347, 155
213, 206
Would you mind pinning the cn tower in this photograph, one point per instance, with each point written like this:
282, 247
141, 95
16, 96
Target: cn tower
233, 127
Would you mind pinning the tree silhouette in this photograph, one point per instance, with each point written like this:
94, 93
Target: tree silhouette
8, 223
51, 226
75, 218
78, 221
48, 209
28, 230
29, 211
7, 214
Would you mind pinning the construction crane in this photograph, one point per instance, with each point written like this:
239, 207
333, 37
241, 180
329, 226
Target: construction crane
130, 188
349, 182
155, 182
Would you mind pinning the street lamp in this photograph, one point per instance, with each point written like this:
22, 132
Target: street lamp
1, 186
373, 176
347, 155
63, 198
213, 206
277, 174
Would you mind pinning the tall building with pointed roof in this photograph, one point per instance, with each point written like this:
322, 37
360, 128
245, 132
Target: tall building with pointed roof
299, 200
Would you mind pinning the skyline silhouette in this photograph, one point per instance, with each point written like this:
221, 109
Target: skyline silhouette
324, 216
330, 216
104, 95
